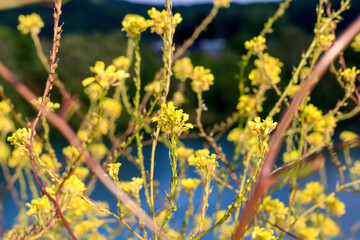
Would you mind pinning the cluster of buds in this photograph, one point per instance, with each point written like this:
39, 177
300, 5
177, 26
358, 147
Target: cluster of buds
56, 41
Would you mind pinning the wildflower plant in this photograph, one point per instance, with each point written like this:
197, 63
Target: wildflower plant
60, 203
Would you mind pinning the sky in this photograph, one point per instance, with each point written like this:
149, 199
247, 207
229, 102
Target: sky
190, 2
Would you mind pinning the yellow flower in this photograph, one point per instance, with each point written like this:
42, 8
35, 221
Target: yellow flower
50, 106
350, 74
30, 23
6, 124
226, 231
335, 206
105, 77
263, 128
312, 113
112, 107
113, 169
190, 184
93, 91
74, 185
247, 103
4, 151
202, 79
293, 90
290, 156
206, 222
17, 159
159, 19
316, 139
234, 135
122, 63
326, 125
134, 25
313, 192
39, 206
324, 224
87, 227
274, 208
325, 41
5, 108
174, 234
307, 233
21, 139
154, 86
183, 69
260, 233
203, 160
178, 98
98, 150
133, 188
220, 214
184, 153
267, 70
356, 43
348, 136
222, 3
256, 45
355, 170
172, 120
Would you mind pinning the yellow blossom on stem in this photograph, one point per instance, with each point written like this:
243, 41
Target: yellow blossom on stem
247, 104
184, 153
350, 74
267, 69
93, 91
202, 79
263, 128
222, 3
313, 192
203, 160
291, 156
159, 19
113, 169
112, 107
39, 205
30, 23
133, 188
48, 104
335, 206
312, 113
316, 139
154, 87
134, 25
105, 77
356, 43
122, 63
74, 185
348, 136
325, 41
190, 184
256, 45
183, 69
355, 170
260, 233
5, 108
172, 120
20, 139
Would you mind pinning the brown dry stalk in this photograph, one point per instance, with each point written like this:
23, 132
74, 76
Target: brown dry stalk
321, 66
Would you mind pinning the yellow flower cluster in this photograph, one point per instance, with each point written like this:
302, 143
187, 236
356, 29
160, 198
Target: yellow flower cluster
335, 206
122, 63
326, 124
275, 209
50, 106
348, 136
256, 45
134, 25
355, 170
133, 188
113, 169
290, 156
206, 222
267, 69
312, 113
356, 43
99, 150
222, 3
324, 224
202, 79
20, 139
39, 206
105, 77
325, 41
263, 128
30, 23
112, 108
74, 186
93, 91
183, 69
247, 103
350, 74
190, 184
260, 233
6, 124
172, 120
203, 160
313, 192
184, 153
159, 19
154, 87
88, 227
